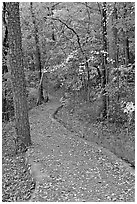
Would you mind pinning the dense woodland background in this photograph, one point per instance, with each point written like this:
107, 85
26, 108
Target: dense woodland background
80, 46
86, 50
82, 52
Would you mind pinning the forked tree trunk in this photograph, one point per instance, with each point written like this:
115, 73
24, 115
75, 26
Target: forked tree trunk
17, 77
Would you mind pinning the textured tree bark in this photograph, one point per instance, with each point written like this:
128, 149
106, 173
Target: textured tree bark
5, 46
38, 56
22, 127
104, 61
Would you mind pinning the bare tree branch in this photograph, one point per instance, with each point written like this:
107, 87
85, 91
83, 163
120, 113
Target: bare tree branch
70, 28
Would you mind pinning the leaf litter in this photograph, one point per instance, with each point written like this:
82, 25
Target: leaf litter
17, 182
77, 170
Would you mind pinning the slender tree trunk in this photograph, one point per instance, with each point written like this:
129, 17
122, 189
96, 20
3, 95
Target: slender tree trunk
115, 37
38, 56
104, 60
127, 56
45, 90
17, 77
115, 46
125, 39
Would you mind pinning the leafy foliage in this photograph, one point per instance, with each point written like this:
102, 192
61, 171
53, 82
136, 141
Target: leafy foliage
70, 39
70, 35
121, 88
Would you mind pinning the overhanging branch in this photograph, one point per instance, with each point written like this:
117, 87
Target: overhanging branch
72, 29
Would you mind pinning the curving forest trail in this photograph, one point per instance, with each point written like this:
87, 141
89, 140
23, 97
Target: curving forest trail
67, 168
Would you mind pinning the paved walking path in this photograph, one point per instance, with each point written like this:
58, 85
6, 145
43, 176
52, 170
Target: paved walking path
67, 168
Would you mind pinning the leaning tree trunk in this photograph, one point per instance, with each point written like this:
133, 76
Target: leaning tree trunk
17, 77
104, 61
38, 56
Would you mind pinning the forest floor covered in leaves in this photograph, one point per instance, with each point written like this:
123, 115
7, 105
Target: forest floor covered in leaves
17, 182
60, 165
68, 168
79, 119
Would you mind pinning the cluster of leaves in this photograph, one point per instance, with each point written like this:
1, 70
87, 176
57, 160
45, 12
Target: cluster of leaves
121, 88
85, 21
49, 20
62, 29
74, 25
32, 78
72, 73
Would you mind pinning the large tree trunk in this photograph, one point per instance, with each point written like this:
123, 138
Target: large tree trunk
104, 61
17, 77
5, 112
38, 56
